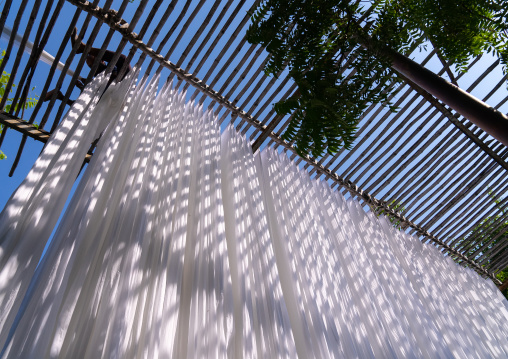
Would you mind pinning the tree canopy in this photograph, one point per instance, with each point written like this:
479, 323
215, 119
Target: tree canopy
492, 234
334, 51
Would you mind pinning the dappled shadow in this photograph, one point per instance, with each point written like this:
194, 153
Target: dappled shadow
33, 210
178, 243
115, 280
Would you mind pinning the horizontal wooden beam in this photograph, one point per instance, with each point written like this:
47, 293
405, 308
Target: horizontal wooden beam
492, 121
28, 129
454, 119
24, 127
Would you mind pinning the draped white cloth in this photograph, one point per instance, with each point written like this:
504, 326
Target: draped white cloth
179, 243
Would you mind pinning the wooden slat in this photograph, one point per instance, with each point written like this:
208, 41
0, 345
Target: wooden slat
186, 25
475, 212
142, 33
28, 129
223, 51
24, 127
20, 97
58, 56
155, 33
33, 59
19, 54
5, 12
211, 31
170, 32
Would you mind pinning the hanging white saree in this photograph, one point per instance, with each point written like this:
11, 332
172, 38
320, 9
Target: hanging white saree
179, 243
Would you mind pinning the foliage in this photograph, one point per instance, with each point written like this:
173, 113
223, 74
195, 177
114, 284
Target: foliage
320, 43
491, 232
397, 207
29, 103
503, 277
458, 29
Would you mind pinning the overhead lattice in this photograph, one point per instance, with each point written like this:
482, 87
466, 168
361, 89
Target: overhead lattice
424, 165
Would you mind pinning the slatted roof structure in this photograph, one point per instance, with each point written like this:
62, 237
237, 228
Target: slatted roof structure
444, 179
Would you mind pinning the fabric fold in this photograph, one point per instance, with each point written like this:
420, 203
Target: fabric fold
180, 243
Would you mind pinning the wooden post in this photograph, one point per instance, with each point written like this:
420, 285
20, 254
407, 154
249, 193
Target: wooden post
492, 121
503, 286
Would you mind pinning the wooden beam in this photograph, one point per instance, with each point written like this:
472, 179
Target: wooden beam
24, 127
492, 121
28, 129
503, 286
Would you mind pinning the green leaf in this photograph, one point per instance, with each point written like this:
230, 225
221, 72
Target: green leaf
314, 39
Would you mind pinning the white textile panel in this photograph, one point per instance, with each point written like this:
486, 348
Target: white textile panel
31, 213
180, 243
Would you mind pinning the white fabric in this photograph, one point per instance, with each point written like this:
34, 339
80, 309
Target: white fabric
179, 243
33, 210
